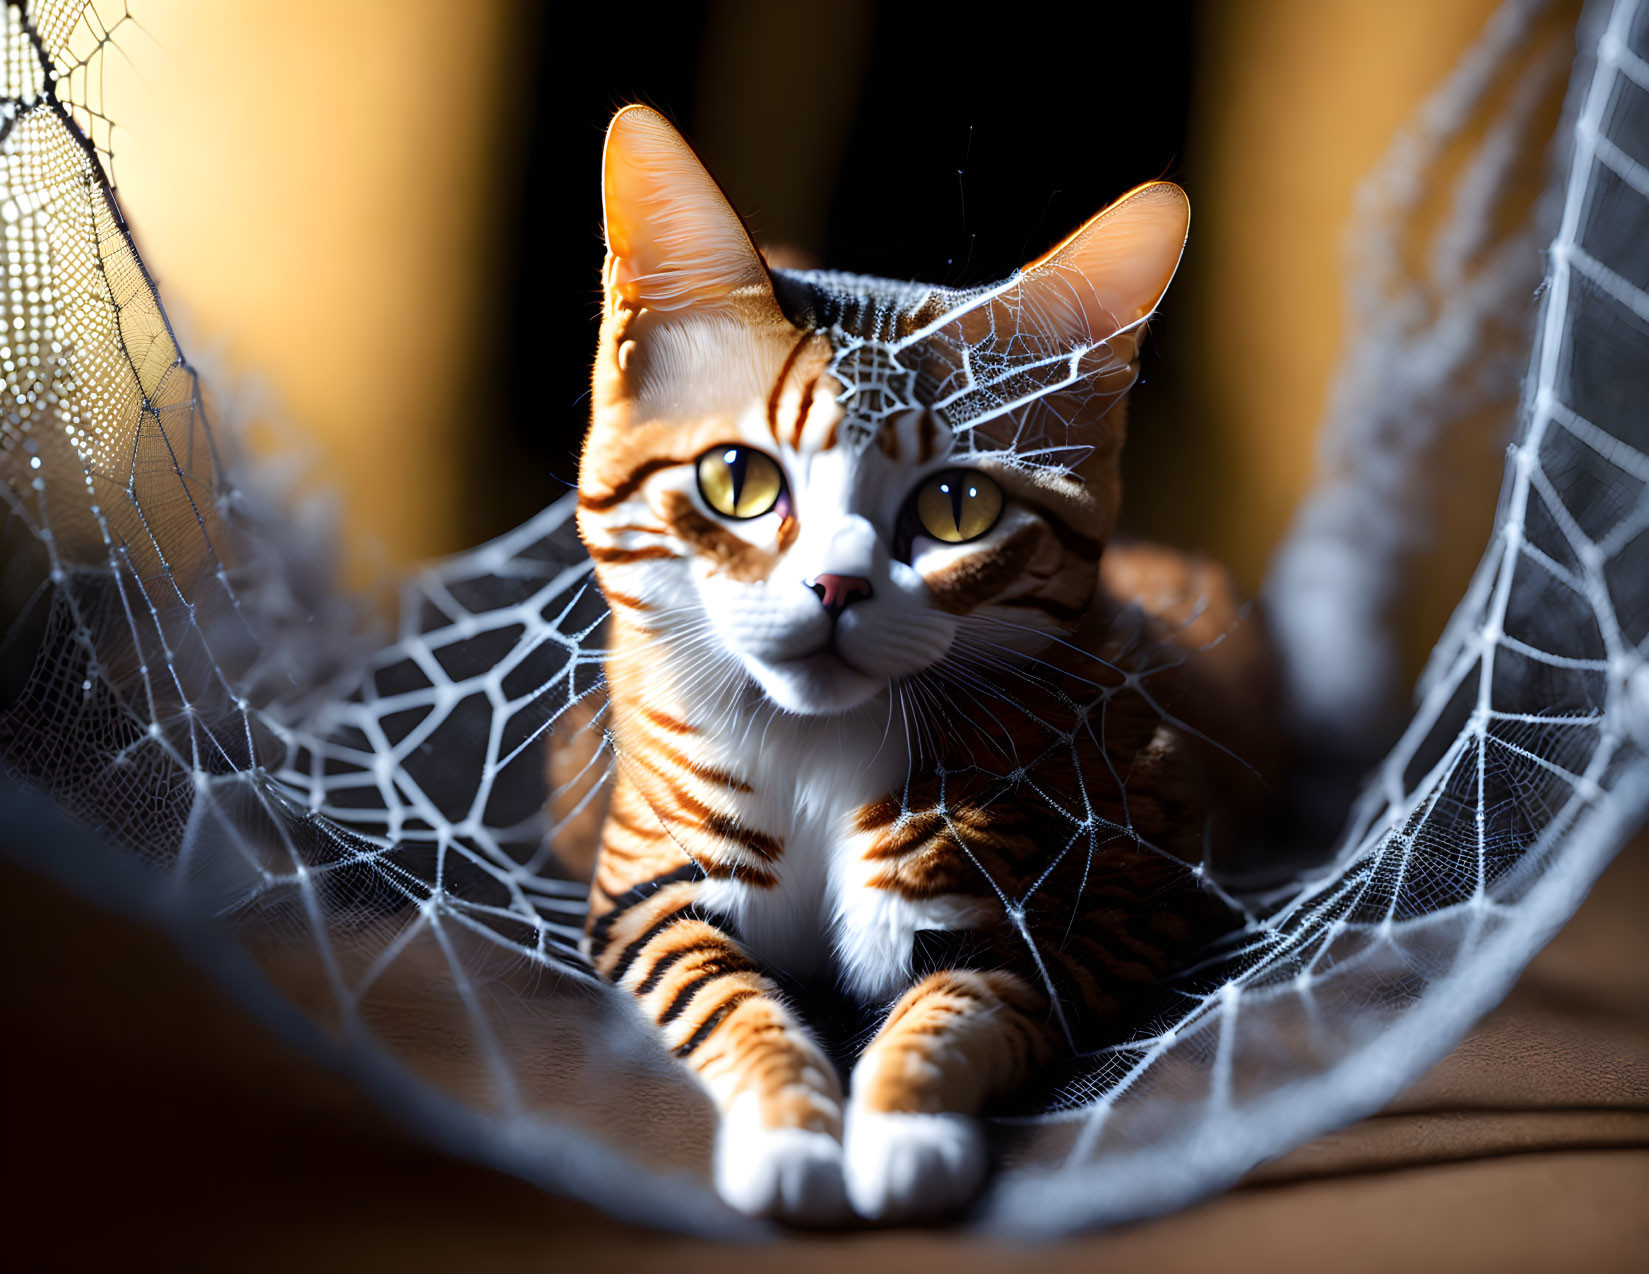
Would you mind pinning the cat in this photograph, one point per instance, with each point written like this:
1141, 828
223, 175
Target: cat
877, 699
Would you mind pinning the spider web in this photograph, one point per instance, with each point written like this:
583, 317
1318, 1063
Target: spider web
366, 845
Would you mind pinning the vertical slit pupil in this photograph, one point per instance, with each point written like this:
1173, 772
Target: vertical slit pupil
737, 462
954, 491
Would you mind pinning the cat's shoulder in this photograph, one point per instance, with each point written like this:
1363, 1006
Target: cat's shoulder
1187, 591
1226, 683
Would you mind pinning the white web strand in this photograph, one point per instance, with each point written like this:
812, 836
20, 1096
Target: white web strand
360, 846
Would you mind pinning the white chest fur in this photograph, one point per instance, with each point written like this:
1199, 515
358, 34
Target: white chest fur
810, 778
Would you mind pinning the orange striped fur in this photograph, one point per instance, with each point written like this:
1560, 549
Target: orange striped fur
853, 754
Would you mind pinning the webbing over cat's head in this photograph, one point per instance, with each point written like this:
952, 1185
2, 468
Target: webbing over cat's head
840, 479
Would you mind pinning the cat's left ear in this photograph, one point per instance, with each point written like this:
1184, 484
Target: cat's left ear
1103, 281
673, 239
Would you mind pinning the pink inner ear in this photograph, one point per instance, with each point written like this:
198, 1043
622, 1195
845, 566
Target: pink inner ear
676, 240
1113, 271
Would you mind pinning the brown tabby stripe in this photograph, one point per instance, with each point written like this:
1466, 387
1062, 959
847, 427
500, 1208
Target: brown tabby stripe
641, 857
887, 438
744, 873
706, 1028
643, 890
630, 485
708, 773
965, 585
801, 412
1073, 540
926, 435
696, 815
778, 385
943, 1042
728, 963
622, 820
672, 899
670, 755
664, 721
877, 814
718, 778
733, 554
956, 989
684, 799
632, 950
613, 596
920, 832
939, 875
920, 857
1061, 611
765, 847
670, 959
624, 557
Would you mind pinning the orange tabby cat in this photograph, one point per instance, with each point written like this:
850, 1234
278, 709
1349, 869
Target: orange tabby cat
879, 706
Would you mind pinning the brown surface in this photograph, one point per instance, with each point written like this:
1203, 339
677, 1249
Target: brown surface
149, 1126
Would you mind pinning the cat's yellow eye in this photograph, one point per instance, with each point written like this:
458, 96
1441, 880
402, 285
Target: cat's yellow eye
958, 505
739, 482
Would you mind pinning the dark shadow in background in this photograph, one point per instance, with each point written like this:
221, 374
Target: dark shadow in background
883, 138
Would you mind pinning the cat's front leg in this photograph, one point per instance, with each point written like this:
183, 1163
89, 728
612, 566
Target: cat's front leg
779, 1144
953, 1041
778, 1147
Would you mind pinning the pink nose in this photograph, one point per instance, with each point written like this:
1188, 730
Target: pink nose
838, 592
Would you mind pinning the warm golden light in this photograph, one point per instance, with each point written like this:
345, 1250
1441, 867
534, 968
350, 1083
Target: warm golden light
308, 182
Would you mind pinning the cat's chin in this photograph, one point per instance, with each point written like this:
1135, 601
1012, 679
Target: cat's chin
817, 685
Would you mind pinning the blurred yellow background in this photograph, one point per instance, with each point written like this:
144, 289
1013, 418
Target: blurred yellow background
309, 183
313, 184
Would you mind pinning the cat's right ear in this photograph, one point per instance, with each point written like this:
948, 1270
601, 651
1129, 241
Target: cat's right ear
673, 240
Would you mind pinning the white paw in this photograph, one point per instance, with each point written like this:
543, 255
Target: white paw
902, 1167
787, 1173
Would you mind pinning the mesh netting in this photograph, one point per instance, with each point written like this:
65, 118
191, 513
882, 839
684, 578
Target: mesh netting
368, 841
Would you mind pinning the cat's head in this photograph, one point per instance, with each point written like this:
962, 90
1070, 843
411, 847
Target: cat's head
841, 482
